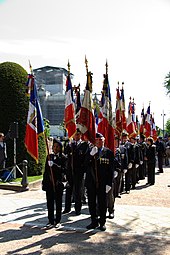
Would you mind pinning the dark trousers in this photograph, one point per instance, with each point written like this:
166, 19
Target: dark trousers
128, 179
111, 199
160, 163
151, 173
74, 190
97, 200
56, 197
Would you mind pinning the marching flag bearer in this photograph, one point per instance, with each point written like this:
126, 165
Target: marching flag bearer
99, 177
52, 183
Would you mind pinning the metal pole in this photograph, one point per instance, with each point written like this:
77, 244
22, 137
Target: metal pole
163, 115
15, 158
24, 181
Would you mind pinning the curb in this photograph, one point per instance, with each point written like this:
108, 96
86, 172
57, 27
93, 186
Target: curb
19, 187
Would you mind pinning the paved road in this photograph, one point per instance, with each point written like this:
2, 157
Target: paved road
141, 224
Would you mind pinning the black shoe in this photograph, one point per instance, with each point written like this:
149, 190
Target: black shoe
49, 225
57, 225
127, 191
92, 225
102, 227
111, 215
66, 211
133, 187
78, 212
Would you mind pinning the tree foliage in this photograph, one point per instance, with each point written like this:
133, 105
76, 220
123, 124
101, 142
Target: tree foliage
168, 126
167, 83
13, 106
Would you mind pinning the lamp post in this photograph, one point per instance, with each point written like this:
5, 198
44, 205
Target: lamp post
163, 115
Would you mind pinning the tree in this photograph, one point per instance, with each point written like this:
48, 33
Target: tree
13, 106
167, 83
167, 126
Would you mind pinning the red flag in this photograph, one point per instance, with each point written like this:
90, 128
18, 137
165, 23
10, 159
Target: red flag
142, 122
35, 125
101, 127
122, 103
69, 114
147, 126
107, 121
118, 114
130, 120
86, 122
153, 131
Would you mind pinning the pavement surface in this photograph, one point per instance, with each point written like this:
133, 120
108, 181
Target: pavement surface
141, 224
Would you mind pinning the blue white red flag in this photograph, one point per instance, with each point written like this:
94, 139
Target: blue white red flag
131, 128
107, 121
35, 124
147, 126
86, 122
122, 104
69, 113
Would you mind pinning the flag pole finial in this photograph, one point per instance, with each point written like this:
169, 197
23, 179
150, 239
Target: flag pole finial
86, 63
30, 66
68, 67
106, 67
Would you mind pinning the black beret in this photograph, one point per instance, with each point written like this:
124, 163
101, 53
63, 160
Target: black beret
57, 141
99, 135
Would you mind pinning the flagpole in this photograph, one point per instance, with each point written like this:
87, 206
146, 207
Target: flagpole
48, 155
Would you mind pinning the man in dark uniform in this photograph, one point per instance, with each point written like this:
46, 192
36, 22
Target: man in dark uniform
160, 148
99, 177
75, 152
129, 154
143, 164
3, 153
121, 164
52, 182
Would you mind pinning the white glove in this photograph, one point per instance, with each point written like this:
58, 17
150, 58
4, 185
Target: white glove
136, 165
124, 171
130, 165
94, 151
141, 162
108, 188
50, 163
115, 174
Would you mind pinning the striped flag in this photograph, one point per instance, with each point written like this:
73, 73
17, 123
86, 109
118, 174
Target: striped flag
122, 104
107, 120
86, 122
147, 126
69, 113
35, 124
131, 129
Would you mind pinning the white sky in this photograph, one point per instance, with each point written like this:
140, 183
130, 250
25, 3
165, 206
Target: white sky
133, 35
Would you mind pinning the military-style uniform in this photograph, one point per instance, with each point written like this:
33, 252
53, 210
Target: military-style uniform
100, 170
151, 161
52, 184
121, 161
75, 153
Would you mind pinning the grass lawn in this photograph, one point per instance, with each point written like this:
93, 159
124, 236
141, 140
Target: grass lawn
29, 178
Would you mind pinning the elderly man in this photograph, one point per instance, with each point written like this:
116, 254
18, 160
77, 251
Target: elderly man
99, 177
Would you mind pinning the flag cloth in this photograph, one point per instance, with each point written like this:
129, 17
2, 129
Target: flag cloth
131, 129
101, 127
118, 114
142, 123
86, 122
122, 104
147, 126
69, 113
107, 129
77, 103
153, 129
35, 124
